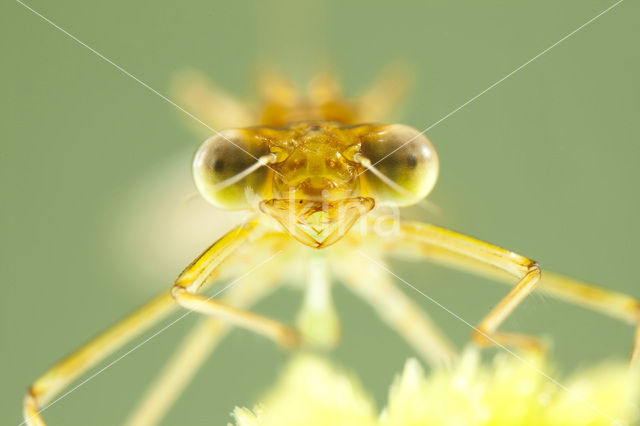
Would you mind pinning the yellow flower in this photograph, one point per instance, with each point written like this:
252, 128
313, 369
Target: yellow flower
509, 391
311, 393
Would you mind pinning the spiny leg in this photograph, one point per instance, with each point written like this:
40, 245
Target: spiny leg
45, 388
179, 371
611, 303
50, 384
526, 270
191, 280
614, 304
398, 311
197, 347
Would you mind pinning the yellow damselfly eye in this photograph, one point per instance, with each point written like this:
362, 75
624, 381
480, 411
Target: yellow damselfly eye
229, 168
401, 164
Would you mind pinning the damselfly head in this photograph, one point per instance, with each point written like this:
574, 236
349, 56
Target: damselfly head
316, 178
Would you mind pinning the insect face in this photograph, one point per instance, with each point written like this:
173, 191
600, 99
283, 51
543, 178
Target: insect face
316, 178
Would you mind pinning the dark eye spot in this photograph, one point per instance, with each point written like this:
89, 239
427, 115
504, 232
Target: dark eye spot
412, 161
218, 165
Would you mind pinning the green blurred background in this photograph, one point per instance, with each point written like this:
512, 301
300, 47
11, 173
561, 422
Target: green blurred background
546, 164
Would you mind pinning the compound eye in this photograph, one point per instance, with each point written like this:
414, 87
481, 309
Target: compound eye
405, 157
227, 169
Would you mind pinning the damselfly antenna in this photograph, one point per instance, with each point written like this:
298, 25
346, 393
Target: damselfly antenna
366, 163
262, 161
428, 206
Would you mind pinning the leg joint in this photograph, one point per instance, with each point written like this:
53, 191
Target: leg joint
177, 291
481, 337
